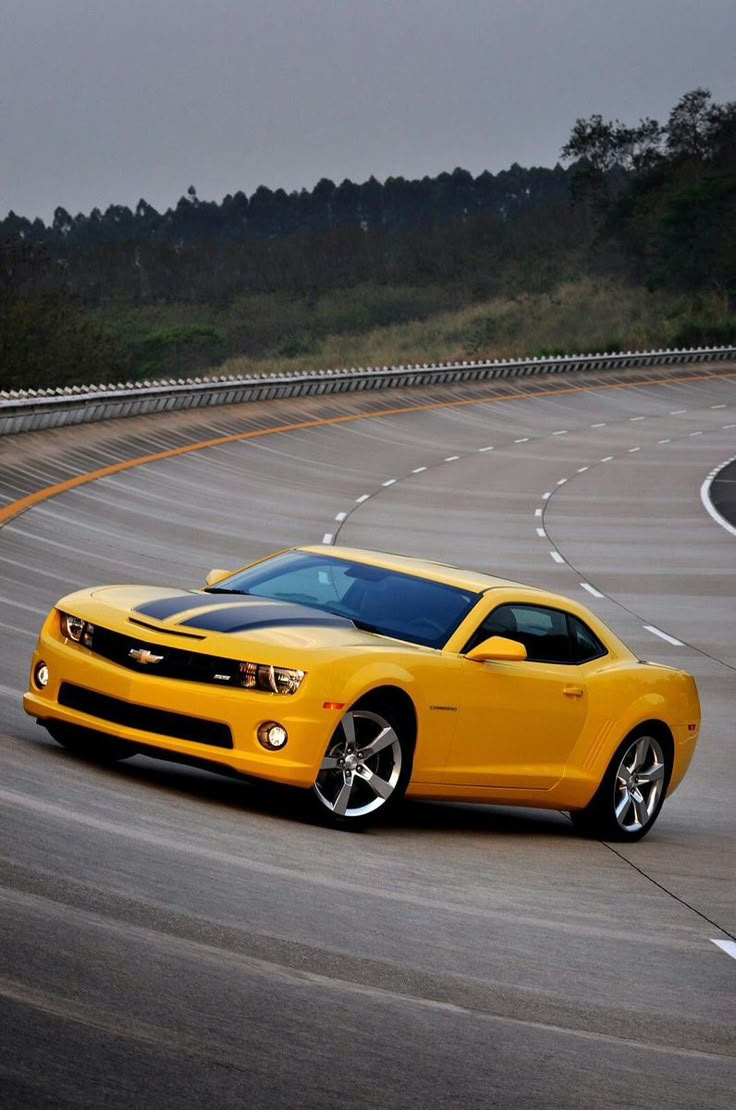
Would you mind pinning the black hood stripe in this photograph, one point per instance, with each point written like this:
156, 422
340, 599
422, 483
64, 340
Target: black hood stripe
272, 614
165, 607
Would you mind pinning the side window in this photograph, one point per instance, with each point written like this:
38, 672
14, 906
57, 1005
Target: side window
585, 644
549, 635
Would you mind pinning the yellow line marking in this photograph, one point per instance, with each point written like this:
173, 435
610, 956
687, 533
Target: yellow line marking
15, 508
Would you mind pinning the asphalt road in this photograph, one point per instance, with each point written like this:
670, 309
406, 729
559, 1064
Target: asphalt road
174, 939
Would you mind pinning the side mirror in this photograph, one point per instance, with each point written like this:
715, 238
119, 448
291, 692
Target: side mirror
498, 648
216, 576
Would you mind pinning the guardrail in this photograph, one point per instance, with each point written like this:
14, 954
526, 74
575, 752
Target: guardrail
30, 410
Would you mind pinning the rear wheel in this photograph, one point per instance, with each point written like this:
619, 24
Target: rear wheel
632, 792
366, 767
95, 746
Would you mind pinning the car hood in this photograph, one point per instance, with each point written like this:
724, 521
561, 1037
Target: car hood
211, 619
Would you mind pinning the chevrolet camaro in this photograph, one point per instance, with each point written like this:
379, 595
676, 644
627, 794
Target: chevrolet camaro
362, 677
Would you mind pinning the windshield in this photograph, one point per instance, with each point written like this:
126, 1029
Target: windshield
385, 601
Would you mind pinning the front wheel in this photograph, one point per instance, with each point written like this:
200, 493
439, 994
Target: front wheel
632, 792
365, 769
94, 746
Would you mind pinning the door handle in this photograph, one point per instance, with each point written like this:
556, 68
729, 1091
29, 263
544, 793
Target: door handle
573, 691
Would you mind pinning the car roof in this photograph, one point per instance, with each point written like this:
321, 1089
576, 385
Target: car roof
422, 568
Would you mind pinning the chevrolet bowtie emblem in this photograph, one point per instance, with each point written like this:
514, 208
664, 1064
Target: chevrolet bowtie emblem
143, 655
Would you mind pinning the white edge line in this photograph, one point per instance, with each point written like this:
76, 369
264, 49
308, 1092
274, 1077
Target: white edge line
328, 537
728, 946
708, 504
663, 635
591, 589
556, 556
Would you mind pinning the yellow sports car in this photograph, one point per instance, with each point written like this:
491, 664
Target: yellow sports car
361, 677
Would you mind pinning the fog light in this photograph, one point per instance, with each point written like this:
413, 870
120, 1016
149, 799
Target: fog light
41, 675
272, 736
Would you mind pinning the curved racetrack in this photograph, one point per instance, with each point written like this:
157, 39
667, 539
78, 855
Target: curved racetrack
174, 939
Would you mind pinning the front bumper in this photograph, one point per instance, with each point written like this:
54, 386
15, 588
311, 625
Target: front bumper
149, 705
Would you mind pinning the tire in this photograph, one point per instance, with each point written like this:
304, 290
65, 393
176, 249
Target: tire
632, 792
366, 768
94, 746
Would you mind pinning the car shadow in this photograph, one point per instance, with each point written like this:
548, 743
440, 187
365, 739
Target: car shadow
288, 803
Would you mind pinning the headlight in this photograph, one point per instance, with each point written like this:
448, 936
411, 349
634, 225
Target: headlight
76, 629
275, 680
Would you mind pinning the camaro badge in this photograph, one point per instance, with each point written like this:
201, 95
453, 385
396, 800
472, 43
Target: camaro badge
143, 655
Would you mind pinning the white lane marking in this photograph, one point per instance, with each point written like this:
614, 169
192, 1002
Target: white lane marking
20, 605
608, 458
452, 458
677, 412
9, 692
546, 496
726, 427
696, 433
582, 469
562, 433
728, 946
363, 497
19, 631
591, 589
664, 441
419, 469
537, 512
633, 449
525, 439
389, 482
599, 425
561, 481
708, 504
663, 635
340, 517
556, 556
633, 418
482, 449
328, 537
717, 407
541, 532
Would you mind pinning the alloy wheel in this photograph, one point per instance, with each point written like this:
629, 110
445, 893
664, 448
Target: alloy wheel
362, 766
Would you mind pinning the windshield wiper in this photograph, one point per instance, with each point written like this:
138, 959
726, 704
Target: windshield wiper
223, 590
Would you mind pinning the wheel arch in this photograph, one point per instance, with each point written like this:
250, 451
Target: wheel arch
393, 698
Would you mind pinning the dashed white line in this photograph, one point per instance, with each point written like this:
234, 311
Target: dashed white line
726, 427
561, 481
389, 482
561, 433
677, 412
633, 418
582, 469
419, 469
633, 449
663, 635
608, 458
541, 532
696, 433
537, 512
591, 589
546, 496
664, 441
599, 425
524, 440
482, 449
727, 946
556, 556
452, 458
328, 537
363, 497
340, 517
717, 407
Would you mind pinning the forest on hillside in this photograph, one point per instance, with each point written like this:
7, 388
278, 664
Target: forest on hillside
134, 293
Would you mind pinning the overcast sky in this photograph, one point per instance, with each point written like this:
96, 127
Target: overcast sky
106, 101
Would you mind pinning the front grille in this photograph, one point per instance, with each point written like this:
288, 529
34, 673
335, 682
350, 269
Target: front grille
161, 721
178, 663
